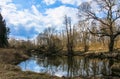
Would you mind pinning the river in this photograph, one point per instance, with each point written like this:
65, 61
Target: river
69, 66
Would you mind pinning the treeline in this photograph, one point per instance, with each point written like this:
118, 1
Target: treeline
77, 37
96, 30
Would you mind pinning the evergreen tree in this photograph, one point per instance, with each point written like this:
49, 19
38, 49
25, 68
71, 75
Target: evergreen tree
4, 31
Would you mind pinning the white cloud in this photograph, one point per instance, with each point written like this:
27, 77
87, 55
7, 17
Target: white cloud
27, 18
32, 17
49, 2
9, 10
56, 16
5, 1
35, 11
73, 2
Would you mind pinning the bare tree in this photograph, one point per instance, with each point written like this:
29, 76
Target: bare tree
85, 36
106, 17
49, 41
70, 34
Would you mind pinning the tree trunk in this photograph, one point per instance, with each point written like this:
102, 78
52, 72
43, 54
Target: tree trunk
111, 44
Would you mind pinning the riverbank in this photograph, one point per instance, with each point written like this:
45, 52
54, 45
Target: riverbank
12, 56
89, 54
9, 58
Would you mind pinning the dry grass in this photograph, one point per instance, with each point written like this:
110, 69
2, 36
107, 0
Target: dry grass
12, 56
8, 69
17, 74
13, 72
98, 47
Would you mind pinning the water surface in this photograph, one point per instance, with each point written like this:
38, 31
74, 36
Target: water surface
69, 66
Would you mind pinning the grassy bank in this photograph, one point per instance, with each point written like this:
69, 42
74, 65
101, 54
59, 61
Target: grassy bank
8, 69
12, 56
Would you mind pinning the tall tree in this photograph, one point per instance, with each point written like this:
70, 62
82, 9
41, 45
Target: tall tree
4, 31
70, 34
106, 17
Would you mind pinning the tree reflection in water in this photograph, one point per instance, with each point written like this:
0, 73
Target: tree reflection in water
71, 66
87, 67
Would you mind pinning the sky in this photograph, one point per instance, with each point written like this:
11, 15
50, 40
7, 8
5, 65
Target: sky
27, 18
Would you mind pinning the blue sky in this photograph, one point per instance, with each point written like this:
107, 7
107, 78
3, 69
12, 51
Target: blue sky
27, 18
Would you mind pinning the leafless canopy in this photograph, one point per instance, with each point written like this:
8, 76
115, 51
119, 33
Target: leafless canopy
106, 15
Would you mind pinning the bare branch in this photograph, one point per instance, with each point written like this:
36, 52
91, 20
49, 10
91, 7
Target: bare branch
118, 33
99, 34
97, 18
117, 17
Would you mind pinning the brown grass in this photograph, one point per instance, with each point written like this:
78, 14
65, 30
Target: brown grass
13, 72
99, 47
12, 56
8, 69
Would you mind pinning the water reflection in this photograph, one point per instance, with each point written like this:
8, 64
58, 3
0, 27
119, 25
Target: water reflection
69, 66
